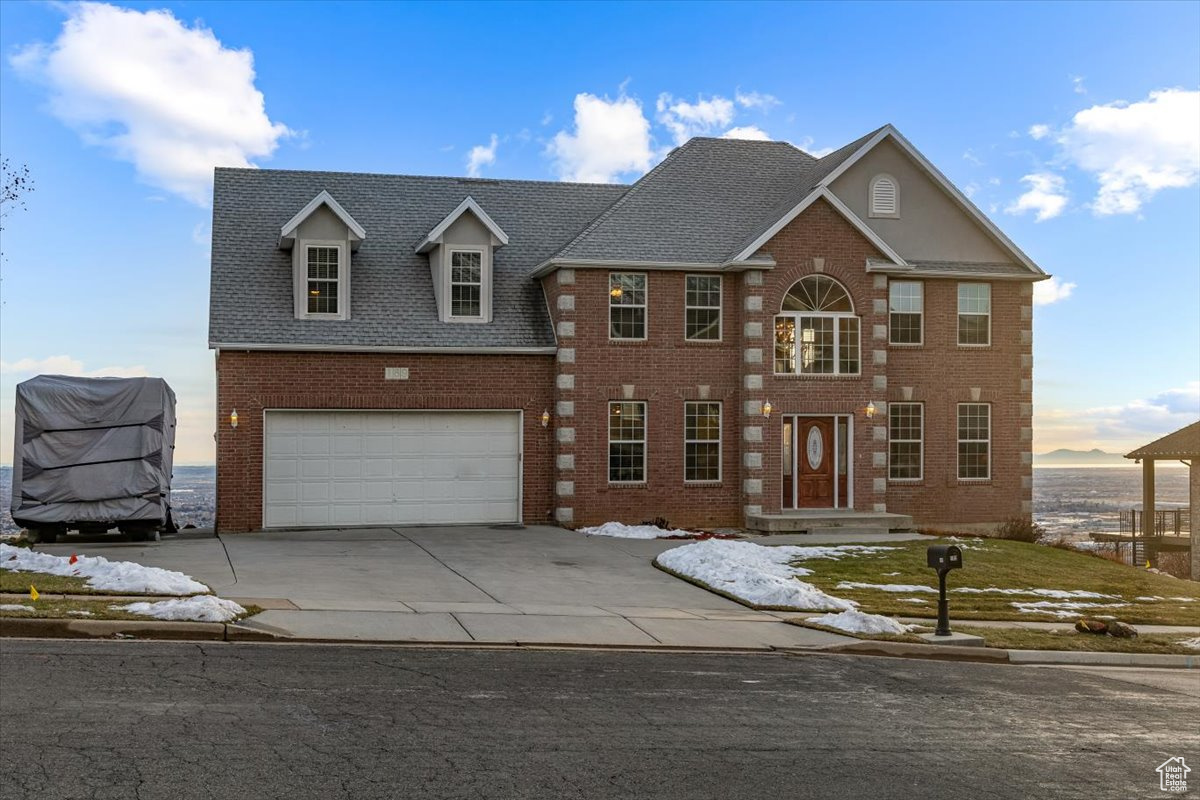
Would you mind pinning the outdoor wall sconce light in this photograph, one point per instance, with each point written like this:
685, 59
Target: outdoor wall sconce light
545, 418
870, 410
233, 418
766, 408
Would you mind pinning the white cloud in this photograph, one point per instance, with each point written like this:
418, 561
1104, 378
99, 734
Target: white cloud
1046, 195
1136, 149
1051, 291
1039, 131
685, 120
66, 365
758, 100
169, 98
1119, 428
611, 138
806, 144
970, 157
1077, 84
481, 156
747, 132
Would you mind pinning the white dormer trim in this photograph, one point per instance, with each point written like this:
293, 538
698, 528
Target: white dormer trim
287, 234
434, 237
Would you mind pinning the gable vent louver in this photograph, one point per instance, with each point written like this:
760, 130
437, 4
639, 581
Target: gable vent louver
884, 197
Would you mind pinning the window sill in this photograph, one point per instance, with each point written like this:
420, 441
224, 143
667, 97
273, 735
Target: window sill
803, 377
628, 485
907, 481
974, 481
628, 341
908, 345
703, 484
962, 346
703, 342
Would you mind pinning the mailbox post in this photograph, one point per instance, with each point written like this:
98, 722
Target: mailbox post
943, 558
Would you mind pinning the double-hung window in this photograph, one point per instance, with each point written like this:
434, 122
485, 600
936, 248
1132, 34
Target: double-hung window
906, 307
816, 332
466, 284
905, 423
626, 442
974, 441
323, 279
975, 313
702, 308
627, 305
701, 441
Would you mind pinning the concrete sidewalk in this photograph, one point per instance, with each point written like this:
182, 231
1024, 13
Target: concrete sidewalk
495, 585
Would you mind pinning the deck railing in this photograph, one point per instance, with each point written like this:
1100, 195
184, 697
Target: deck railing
1167, 522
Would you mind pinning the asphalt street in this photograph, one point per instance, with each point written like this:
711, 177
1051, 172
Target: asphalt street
151, 720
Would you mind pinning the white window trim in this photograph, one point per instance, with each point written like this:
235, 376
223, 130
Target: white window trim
921, 339
645, 305
719, 307
959, 441
300, 271
960, 313
719, 441
836, 316
644, 442
871, 212
485, 283
920, 443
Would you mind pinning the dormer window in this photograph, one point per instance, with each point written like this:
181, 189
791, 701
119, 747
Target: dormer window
324, 278
885, 197
461, 249
466, 283
321, 237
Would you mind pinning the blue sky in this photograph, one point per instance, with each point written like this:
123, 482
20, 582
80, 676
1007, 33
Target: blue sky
1076, 127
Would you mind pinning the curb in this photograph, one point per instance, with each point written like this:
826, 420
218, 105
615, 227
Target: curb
868, 647
35, 628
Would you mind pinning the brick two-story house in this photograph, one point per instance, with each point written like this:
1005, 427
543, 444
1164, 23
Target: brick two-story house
746, 333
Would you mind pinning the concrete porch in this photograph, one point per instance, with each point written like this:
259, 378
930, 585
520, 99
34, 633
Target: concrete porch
830, 520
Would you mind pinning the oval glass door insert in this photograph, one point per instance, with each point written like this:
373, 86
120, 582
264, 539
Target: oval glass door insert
814, 447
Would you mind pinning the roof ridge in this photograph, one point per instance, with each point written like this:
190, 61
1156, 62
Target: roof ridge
537, 182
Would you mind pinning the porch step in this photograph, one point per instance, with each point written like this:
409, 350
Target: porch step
830, 521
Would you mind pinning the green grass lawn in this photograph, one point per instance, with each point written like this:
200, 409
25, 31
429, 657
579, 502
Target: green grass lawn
15, 582
1007, 565
99, 608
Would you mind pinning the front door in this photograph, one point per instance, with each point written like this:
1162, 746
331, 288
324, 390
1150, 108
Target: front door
815, 462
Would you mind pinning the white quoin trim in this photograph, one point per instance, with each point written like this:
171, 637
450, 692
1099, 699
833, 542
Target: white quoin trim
434, 237
287, 234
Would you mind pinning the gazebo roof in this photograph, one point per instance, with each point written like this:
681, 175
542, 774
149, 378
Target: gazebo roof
1183, 443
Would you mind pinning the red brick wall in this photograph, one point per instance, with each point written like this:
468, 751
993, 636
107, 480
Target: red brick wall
254, 381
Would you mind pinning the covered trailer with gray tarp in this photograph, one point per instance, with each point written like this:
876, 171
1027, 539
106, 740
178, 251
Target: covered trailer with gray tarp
90, 454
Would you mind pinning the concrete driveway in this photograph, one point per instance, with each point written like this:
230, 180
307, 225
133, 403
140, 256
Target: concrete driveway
462, 584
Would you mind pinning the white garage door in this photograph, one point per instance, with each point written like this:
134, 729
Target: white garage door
391, 467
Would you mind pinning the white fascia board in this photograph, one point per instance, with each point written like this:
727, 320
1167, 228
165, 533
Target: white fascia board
821, 192
433, 238
335, 348
942, 181
732, 265
287, 234
917, 272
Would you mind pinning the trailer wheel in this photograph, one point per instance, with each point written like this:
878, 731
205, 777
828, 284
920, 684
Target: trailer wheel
44, 535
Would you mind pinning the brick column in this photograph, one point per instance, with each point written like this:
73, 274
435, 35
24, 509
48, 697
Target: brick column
754, 359
563, 412
879, 389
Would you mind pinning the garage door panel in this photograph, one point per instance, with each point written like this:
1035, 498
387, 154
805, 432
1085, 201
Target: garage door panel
390, 467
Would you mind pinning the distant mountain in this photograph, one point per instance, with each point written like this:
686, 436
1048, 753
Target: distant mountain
1095, 456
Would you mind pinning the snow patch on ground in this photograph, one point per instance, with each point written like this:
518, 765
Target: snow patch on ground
623, 531
854, 621
1148, 599
912, 600
110, 576
80, 614
1183, 599
1193, 644
201, 608
15, 607
907, 588
1060, 594
758, 575
1061, 609
837, 552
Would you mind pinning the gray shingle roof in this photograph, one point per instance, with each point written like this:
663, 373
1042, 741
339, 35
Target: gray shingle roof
697, 205
393, 302
982, 268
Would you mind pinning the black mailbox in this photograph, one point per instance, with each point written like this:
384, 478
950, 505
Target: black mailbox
944, 556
